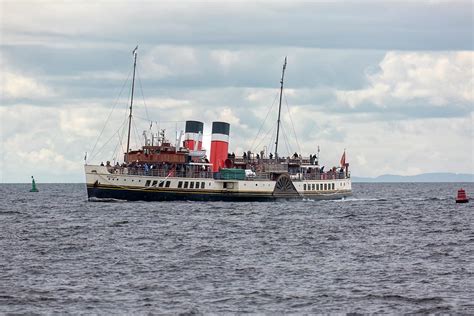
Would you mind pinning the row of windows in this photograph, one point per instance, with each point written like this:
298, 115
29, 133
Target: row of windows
190, 184
319, 187
167, 184
160, 183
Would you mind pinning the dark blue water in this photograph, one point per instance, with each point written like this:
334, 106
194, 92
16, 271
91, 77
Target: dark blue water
392, 248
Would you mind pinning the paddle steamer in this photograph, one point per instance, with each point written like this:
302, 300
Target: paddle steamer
183, 171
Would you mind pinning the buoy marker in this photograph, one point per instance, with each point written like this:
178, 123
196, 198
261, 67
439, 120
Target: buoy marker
33, 185
462, 197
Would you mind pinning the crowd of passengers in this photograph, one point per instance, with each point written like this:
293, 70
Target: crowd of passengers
169, 169
247, 156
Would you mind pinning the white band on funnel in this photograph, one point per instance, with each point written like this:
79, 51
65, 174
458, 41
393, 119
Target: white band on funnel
220, 137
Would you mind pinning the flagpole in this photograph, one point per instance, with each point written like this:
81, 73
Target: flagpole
279, 110
131, 103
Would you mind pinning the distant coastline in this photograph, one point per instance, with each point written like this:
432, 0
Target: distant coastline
424, 177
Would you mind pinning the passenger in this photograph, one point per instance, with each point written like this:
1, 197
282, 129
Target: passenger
271, 156
102, 164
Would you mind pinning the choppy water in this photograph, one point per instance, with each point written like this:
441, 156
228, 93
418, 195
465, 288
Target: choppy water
392, 248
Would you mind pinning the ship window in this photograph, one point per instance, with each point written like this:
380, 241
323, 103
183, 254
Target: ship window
147, 183
312, 186
168, 184
228, 185
161, 183
185, 184
202, 185
325, 186
191, 185
304, 186
180, 184
333, 186
154, 183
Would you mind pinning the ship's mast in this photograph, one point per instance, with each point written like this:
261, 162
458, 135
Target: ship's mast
131, 102
279, 109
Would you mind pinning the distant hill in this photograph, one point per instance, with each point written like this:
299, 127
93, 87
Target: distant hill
424, 177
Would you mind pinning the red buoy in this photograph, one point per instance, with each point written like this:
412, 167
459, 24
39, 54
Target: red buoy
462, 197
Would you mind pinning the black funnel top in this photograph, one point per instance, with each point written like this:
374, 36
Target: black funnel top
220, 128
194, 127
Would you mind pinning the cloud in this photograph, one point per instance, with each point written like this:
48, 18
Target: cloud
336, 24
17, 86
435, 79
359, 77
226, 58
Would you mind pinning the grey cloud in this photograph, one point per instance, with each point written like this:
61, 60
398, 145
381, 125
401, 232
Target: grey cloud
421, 25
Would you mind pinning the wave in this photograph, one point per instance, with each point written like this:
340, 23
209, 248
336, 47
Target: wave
395, 297
352, 199
95, 199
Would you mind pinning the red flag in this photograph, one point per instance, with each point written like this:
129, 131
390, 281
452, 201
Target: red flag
343, 159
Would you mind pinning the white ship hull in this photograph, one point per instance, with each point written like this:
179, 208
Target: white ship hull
102, 184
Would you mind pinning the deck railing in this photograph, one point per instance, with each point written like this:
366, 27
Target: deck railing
200, 174
162, 173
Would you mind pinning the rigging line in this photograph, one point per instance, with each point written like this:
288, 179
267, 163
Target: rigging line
143, 96
261, 126
111, 111
137, 137
122, 136
285, 136
292, 125
272, 128
120, 139
272, 143
107, 142
115, 152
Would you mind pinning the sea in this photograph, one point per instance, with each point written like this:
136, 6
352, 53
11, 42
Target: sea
390, 248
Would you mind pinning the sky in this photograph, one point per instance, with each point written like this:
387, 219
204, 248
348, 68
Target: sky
390, 82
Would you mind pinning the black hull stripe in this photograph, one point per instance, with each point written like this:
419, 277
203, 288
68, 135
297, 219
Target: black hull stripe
146, 195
